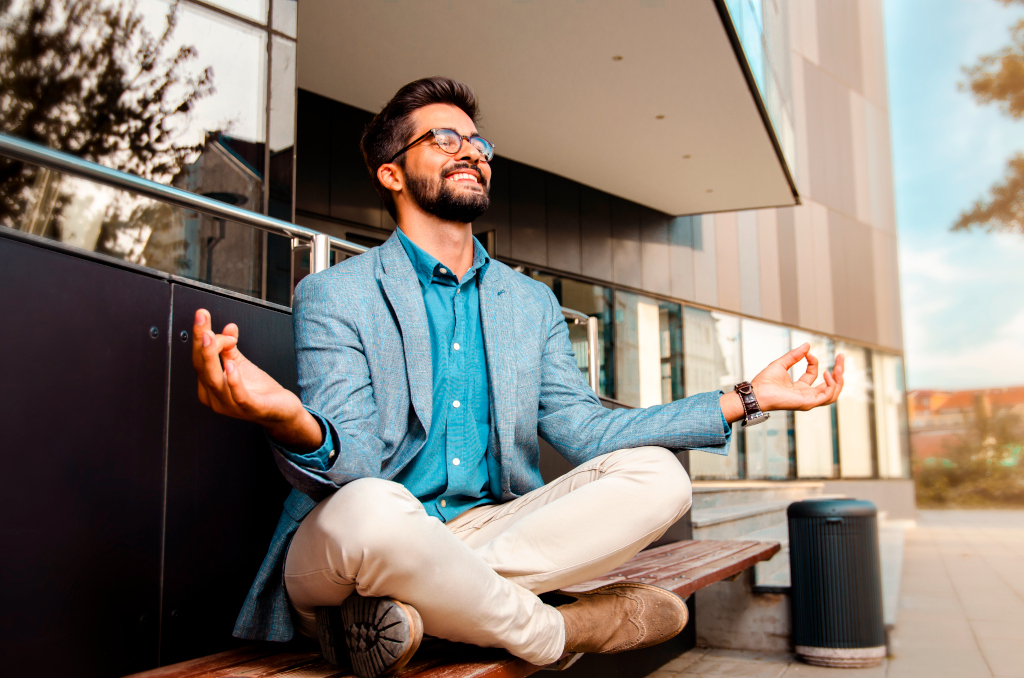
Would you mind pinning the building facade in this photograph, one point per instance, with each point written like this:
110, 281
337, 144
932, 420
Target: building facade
686, 302
710, 179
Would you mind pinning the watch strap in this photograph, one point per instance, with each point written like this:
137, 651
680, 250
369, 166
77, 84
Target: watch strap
752, 413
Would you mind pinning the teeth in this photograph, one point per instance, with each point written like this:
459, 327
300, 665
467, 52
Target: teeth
458, 176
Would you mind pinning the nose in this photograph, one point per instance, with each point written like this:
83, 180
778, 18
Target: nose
469, 152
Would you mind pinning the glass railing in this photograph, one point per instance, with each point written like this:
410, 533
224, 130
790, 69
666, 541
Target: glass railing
747, 20
207, 238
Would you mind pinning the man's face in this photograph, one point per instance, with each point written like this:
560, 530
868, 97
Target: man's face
451, 187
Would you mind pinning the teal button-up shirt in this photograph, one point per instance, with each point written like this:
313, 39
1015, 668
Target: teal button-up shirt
450, 474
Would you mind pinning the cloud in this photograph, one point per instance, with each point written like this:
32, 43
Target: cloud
963, 309
995, 362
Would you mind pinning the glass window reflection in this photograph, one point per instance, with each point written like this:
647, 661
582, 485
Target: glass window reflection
250, 9
194, 116
648, 350
285, 17
595, 301
711, 354
147, 232
813, 430
855, 413
890, 416
769, 447
282, 128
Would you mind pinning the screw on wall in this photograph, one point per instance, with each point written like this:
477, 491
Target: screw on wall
184, 335
154, 331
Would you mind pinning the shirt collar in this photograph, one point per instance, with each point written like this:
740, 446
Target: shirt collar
428, 268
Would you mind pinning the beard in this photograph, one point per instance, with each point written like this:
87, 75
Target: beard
439, 198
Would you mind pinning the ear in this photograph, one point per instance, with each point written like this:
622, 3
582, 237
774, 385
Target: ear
391, 176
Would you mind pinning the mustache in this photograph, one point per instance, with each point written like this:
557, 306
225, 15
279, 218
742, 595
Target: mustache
465, 167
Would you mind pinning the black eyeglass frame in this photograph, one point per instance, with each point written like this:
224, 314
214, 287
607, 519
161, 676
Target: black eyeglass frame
462, 140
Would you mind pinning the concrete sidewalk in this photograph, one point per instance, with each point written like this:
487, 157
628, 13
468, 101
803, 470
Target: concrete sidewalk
961, 609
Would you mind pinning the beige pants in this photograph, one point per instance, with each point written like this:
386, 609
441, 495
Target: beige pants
476, 578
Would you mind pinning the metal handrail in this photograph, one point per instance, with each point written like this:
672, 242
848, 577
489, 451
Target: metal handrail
320, 244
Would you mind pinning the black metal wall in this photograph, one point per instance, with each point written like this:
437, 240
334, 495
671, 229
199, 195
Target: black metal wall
103, 443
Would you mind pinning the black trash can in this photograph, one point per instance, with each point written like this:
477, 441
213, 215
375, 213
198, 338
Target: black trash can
836, 582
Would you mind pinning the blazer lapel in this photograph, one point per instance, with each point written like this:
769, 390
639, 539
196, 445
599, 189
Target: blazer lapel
403, 292
497, 319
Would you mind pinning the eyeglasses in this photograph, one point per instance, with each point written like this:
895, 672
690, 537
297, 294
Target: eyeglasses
450, 142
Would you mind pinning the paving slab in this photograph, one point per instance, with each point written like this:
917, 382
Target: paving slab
960, 609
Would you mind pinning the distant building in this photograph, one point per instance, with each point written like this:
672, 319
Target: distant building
939, 419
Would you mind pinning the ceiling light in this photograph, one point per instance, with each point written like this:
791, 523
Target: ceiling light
617, 58
686, 157
659, 117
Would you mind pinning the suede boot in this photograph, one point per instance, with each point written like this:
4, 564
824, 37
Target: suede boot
621, 616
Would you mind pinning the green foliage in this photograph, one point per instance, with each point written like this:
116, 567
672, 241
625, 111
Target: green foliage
998, 79
86, 77
984, 468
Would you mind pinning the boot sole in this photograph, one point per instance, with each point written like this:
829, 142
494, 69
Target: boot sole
332, 638
382, 634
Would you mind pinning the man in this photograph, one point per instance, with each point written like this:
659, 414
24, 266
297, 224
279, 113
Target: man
427, 372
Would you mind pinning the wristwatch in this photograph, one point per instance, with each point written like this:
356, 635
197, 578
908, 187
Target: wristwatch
752, 413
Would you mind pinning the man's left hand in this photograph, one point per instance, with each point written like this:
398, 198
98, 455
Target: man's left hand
775, 390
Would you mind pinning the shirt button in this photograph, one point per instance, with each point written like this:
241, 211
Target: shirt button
330, 455
456, 403
455, 461
455, 346
443, 504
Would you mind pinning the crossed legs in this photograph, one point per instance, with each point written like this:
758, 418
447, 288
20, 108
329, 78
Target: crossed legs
476, 579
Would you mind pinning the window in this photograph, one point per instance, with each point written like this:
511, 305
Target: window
595, 301
648, 350
855, 414
768, 447
198, 121
815, 444
890, 416
713, 361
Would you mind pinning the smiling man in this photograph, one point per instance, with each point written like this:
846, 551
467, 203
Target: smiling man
427, 372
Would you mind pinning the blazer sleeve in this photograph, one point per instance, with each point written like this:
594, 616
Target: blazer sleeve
573, 420
335, 387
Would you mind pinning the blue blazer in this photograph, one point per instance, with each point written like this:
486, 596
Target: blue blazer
364, 365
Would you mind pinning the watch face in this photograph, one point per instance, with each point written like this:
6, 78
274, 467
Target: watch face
755, 418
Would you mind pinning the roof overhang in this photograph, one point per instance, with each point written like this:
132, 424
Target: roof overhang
553, 96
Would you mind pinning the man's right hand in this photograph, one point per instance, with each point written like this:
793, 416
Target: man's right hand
230, 384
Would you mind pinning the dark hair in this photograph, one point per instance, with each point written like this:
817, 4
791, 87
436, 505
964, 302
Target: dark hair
392, 128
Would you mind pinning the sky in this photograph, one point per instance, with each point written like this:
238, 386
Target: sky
963, 294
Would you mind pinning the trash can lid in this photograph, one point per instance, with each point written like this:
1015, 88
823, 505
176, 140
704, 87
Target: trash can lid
823, 508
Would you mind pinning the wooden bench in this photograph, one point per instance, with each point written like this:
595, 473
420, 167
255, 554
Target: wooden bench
683, 568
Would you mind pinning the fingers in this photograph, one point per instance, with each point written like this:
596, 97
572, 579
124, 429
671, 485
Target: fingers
230, 351
812, 369
236, 387
837, 375
794, 356
200, 324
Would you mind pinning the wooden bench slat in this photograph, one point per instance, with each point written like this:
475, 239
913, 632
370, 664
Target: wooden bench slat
668, 567
682, 568
686, 569
205, 666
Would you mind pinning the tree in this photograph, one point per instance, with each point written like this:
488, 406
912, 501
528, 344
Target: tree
998, 78
86, 77
982, 467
